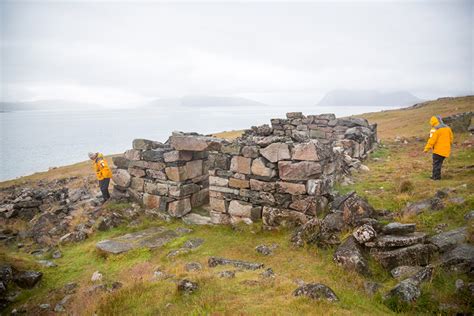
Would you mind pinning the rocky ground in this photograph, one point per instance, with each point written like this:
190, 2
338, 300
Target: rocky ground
390, 241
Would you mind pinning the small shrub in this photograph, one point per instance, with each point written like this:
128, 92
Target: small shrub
406, 186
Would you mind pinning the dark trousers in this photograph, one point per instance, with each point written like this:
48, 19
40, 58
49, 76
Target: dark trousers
104, 188
437, 164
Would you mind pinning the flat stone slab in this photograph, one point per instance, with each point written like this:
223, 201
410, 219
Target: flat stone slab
396, 228
419, 254
460, 259
214, 262
446, 240
196, 143
393, 241
154, 237
196, 219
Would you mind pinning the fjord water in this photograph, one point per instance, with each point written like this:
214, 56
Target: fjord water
33, 141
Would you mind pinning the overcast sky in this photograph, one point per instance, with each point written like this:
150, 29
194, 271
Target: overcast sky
278, 53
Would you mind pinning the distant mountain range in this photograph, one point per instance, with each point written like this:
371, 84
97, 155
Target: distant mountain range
62, 105
368, 98
204, 101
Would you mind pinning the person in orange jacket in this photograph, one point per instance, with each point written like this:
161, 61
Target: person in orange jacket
440, 141
102, 172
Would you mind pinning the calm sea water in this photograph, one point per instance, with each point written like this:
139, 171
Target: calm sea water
34, 141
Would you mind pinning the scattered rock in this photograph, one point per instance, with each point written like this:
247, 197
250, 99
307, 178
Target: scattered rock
70, 288
353, 208
187, 287
47, 263
196, 219
178, 252
268, 273
316, 291
193, 266
161, 275
264, 250
469, 216
96, 276
227, 274
45, 306
408, 290
57, 254
214, 262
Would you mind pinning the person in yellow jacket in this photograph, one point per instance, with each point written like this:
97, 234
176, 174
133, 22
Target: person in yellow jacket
102, 172
440, 141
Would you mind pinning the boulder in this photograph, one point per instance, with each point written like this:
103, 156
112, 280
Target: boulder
408, 290
447, 240
459, 259
193, 266
264, 250
314, 232
303, 170
419, 254
276, 152
398, 229
349, 255
316, 291
215, 261
227, 274
27, 279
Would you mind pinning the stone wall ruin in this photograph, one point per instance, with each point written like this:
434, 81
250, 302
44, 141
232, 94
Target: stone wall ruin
281, 173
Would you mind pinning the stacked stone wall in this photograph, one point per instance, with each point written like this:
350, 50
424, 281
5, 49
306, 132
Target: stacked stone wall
281, 173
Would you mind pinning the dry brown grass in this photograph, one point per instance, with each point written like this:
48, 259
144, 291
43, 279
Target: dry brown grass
412, 122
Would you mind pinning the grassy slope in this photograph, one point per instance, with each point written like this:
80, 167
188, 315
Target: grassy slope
228, 297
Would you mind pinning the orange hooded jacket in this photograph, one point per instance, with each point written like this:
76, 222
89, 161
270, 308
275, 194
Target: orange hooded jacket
101, 168
441, 139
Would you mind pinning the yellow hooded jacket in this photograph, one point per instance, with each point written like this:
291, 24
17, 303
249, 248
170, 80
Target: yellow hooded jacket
101, 168
442, 138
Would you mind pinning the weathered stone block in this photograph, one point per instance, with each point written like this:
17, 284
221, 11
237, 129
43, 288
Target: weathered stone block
317, 133
145, 144
194, 169
196, 143
200, 198
178, 155
136, 172
218, 205
151, 201
294, 115
218, 161
121, 162
240, 164
240, 209
147, 165
156, 188
304, 170
419, 254
224, 190
250, 151
274, 217
218, 181
317, 186
276, 152
307, 151
262, 185
137, 184
291, 188
154, 154
179, 208
132, 154
231, 149
219, 218
176, 173
160, 175
238, 183
260, 169
121, 177
183, 190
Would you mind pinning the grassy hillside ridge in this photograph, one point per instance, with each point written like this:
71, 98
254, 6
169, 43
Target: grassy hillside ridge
248, 293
